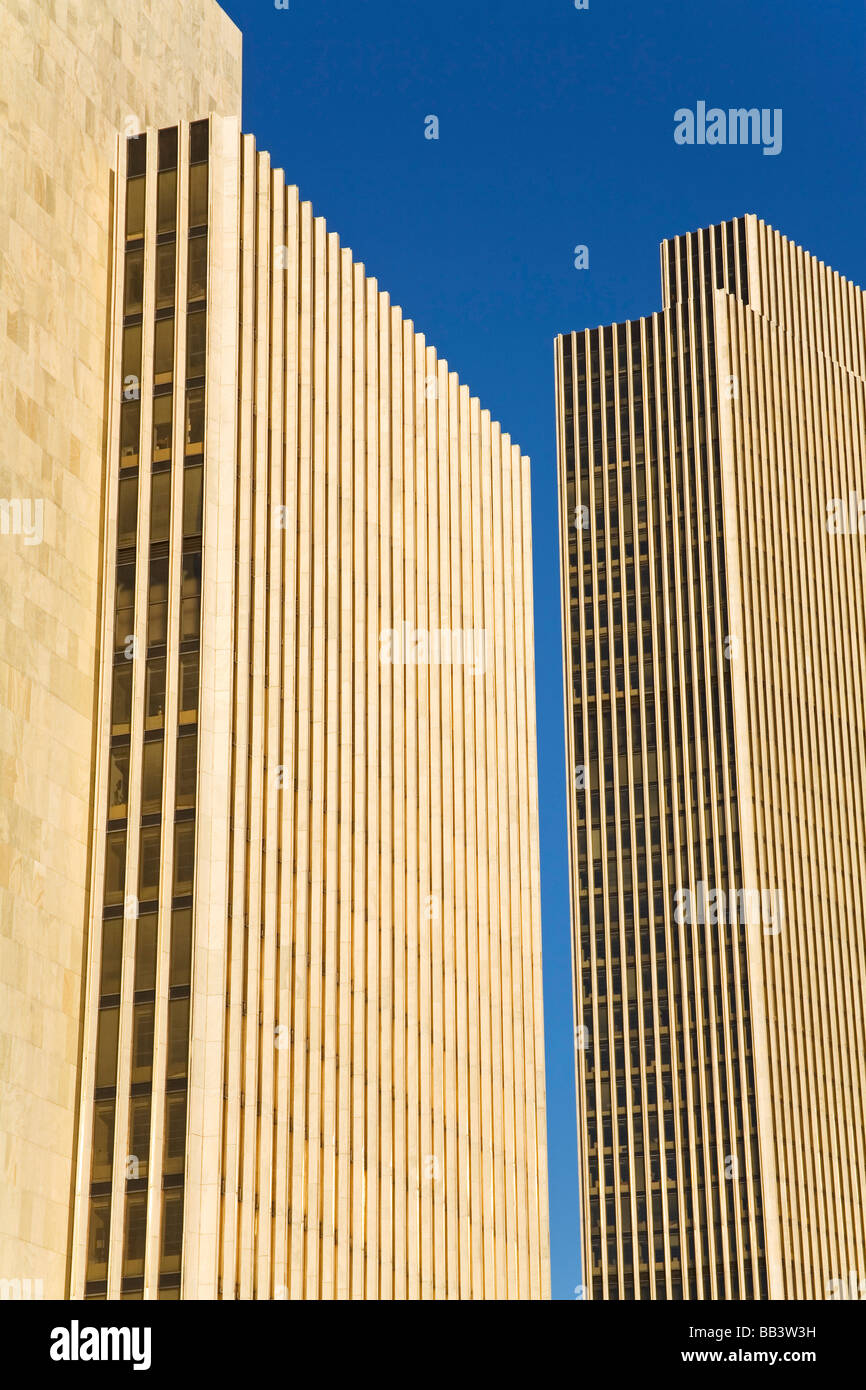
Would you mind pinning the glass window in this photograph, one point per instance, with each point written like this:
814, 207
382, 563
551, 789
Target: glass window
181, 947
151, 779
192, 500
124, 618
131, 361
112, 947
149, 867
133, 1241
163, 351
196, 341
154, 704
127, 511
106, 1047
198, 195
130, 429
194, 436
184, 854
103, 1141
172, 1230
160, 506
136, 155
198, 138
97, 1244
186, 764
165, 264
197, 269
121, 698
178, 1038
115, 867
142, 1043
133, 283
135, 207
161, 428
190, 596
157, 621
166, 202
139, 1137
175, 1132
145, 951
188, 688
167, 148
118, 783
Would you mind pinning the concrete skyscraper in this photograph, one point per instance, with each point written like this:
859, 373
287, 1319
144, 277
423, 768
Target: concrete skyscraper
711, 474
74, 75
303, 1045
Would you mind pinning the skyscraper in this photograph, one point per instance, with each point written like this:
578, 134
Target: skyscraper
307, 1039
711, 471
74, 75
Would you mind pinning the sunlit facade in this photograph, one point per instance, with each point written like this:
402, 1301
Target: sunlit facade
312, 1057
715, 668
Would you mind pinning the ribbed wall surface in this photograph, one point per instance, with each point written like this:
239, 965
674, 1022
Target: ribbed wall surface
726, 749
664, 1056
366, 1080
75, 74
706, 445
795, 439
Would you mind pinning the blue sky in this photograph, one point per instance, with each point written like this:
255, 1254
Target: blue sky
556, 130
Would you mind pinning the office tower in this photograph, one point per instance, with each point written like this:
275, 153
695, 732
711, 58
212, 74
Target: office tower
312, 1055
74, 74
710, 466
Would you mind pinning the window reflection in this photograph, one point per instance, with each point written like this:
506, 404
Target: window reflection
190, 596
196, 342
115, 866
188, 688
97, 1244
194, 434
165, 270
198, 195
166, 202
118, 783
121, 698
157, 622
133, 284
134, 207
160, 506
161, 429
130, 429
148, 889
154, 704
151, 778
163, 351
197, 269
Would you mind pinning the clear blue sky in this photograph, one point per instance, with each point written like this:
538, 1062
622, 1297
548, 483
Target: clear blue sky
556, 129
